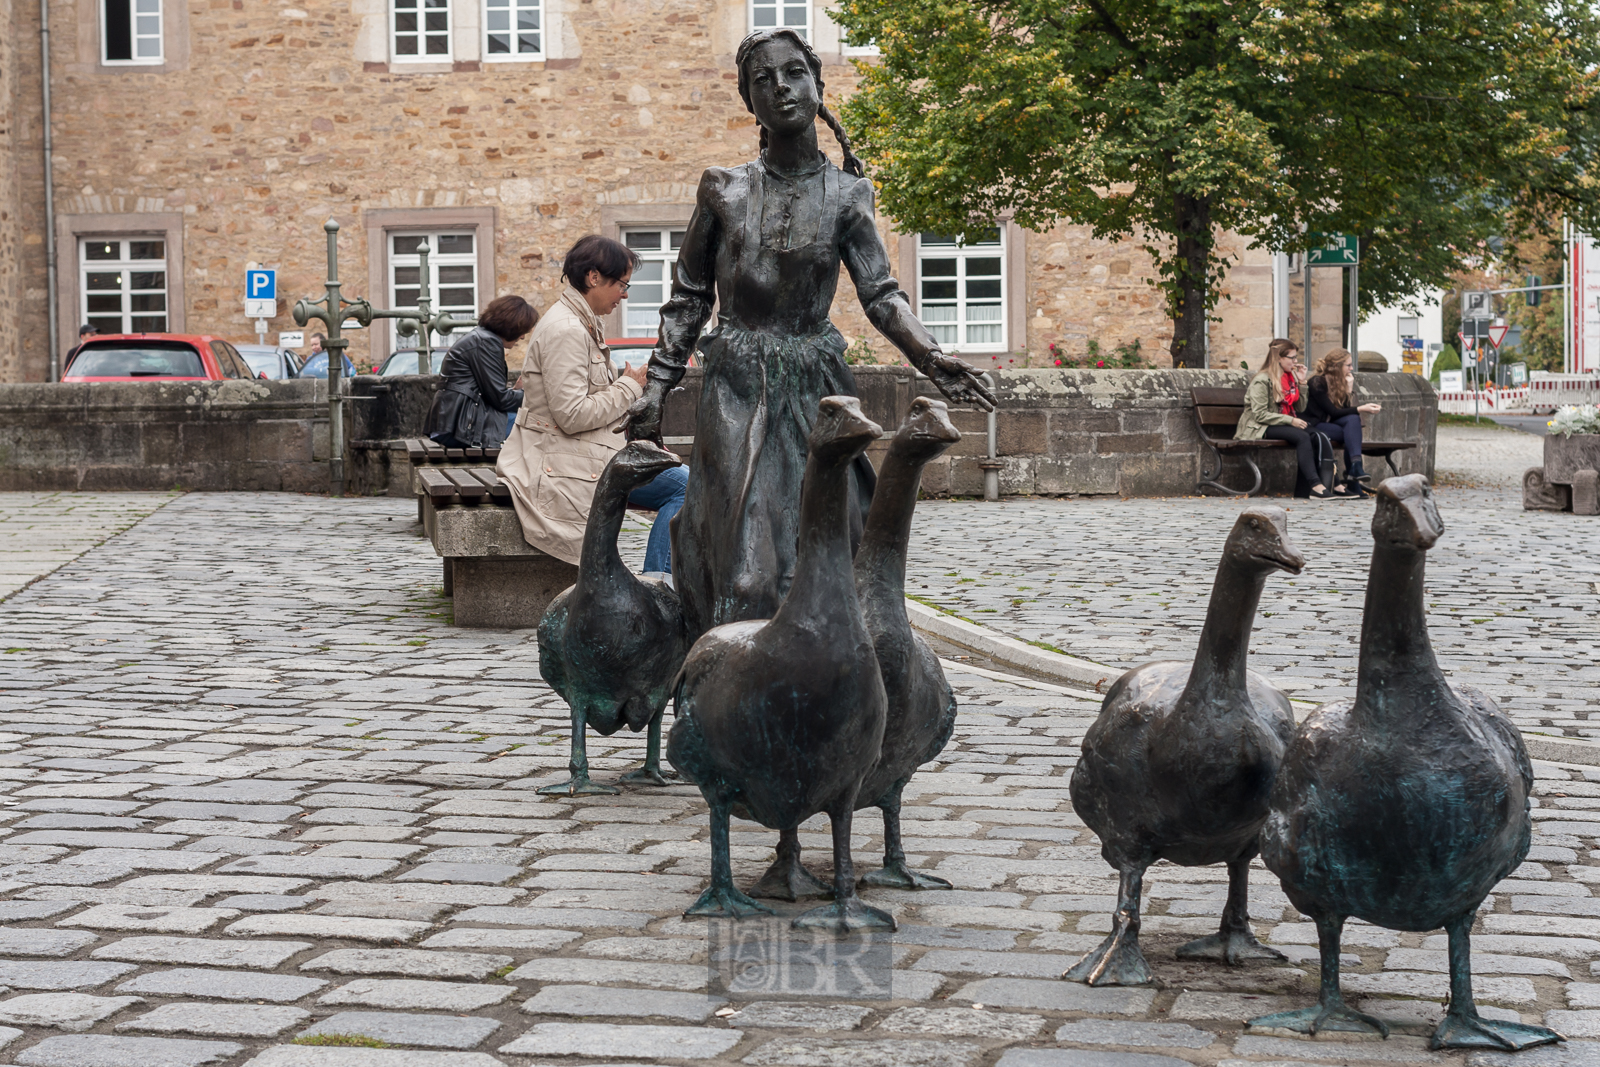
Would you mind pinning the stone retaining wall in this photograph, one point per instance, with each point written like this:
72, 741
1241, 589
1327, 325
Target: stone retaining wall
1133, 433
1059, 432
253, 435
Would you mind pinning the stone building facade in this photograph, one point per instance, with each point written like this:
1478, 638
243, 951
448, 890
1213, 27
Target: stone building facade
196, 138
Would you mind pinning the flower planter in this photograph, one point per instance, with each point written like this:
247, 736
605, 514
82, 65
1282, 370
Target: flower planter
1564, 456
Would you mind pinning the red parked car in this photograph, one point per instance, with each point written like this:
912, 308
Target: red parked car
141, 357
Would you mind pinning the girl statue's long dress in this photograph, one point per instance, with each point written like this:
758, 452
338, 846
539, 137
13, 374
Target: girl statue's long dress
770, 245
764, 244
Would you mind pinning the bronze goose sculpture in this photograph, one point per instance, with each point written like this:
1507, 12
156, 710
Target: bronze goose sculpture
780, 719
612, 644
921, 709
1406, 805
1180, 762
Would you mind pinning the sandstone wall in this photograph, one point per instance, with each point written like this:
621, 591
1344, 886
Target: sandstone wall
1132, 433
148, 435
268, 118
1058, 432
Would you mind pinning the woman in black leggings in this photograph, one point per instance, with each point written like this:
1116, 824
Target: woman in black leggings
1272, 402
1331, 412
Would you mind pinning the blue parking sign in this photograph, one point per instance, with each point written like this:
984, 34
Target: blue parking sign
260, 284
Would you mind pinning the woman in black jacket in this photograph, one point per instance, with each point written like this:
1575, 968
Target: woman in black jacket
1329, 411
470, 408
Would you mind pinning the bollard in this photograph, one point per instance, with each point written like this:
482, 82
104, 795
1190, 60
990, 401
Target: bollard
1586, 493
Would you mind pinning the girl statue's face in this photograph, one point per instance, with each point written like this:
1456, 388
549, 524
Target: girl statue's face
783, 93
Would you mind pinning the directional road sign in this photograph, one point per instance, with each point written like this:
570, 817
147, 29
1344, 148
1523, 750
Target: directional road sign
1334, 250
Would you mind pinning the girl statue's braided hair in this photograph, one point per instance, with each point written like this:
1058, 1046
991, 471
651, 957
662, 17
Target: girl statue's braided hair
852, 165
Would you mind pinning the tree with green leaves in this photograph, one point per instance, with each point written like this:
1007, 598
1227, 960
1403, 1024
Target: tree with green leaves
1542, 342
1425, 126
1447, 359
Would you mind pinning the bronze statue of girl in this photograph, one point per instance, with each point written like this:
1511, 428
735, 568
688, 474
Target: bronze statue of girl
764, 244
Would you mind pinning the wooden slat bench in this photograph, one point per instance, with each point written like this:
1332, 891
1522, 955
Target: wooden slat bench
1216, 413
491, 572
426, 453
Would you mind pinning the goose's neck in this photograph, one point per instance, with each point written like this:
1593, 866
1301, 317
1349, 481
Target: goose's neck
823, 578
881, 559
599, 555
1223, 656
1398, 671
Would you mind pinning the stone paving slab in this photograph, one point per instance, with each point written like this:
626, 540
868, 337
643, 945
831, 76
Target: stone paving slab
329, 795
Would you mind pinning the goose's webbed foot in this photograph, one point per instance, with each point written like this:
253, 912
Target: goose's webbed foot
652, 775
1230, 947
896, 875
787, 878
1118, 960
1322, 1016
725, 902
578, 785
843, 916
1468, 1029
790, 881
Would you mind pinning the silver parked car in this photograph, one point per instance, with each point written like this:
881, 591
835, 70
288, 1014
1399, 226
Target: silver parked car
404, 361
269, 361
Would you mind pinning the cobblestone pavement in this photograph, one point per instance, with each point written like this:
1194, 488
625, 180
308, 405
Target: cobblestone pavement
255, 790
1489, 456
41, 531
1512, 594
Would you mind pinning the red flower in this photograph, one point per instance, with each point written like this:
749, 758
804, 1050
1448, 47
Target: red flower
1100, 363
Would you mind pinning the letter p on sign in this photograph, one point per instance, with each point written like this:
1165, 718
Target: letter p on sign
260, 284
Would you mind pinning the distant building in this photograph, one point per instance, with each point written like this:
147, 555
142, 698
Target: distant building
192, 139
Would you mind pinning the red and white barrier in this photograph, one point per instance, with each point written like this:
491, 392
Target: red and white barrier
1541, 396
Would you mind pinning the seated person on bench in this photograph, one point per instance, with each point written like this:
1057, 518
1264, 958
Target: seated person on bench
573, 402
1329, 411
1272, 403
466, 412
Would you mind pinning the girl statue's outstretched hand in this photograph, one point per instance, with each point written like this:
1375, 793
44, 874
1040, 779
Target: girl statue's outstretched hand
957, 380
643, 421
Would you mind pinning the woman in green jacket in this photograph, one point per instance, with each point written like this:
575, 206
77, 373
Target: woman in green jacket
1272, 402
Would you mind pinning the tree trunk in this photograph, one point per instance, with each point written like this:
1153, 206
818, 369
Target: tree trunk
1193, 215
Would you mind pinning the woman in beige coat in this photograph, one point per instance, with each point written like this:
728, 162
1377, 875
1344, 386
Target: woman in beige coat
573, 402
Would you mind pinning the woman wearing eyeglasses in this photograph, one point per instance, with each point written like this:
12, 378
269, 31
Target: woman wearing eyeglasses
574, 399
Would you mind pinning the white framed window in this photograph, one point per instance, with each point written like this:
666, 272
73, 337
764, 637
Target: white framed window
452, 269
421, 31
769, 14
652, 282
961, 291
513, 30
845, 47
123, 283
130, 32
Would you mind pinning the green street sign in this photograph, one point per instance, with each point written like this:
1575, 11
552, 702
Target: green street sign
1336, 250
